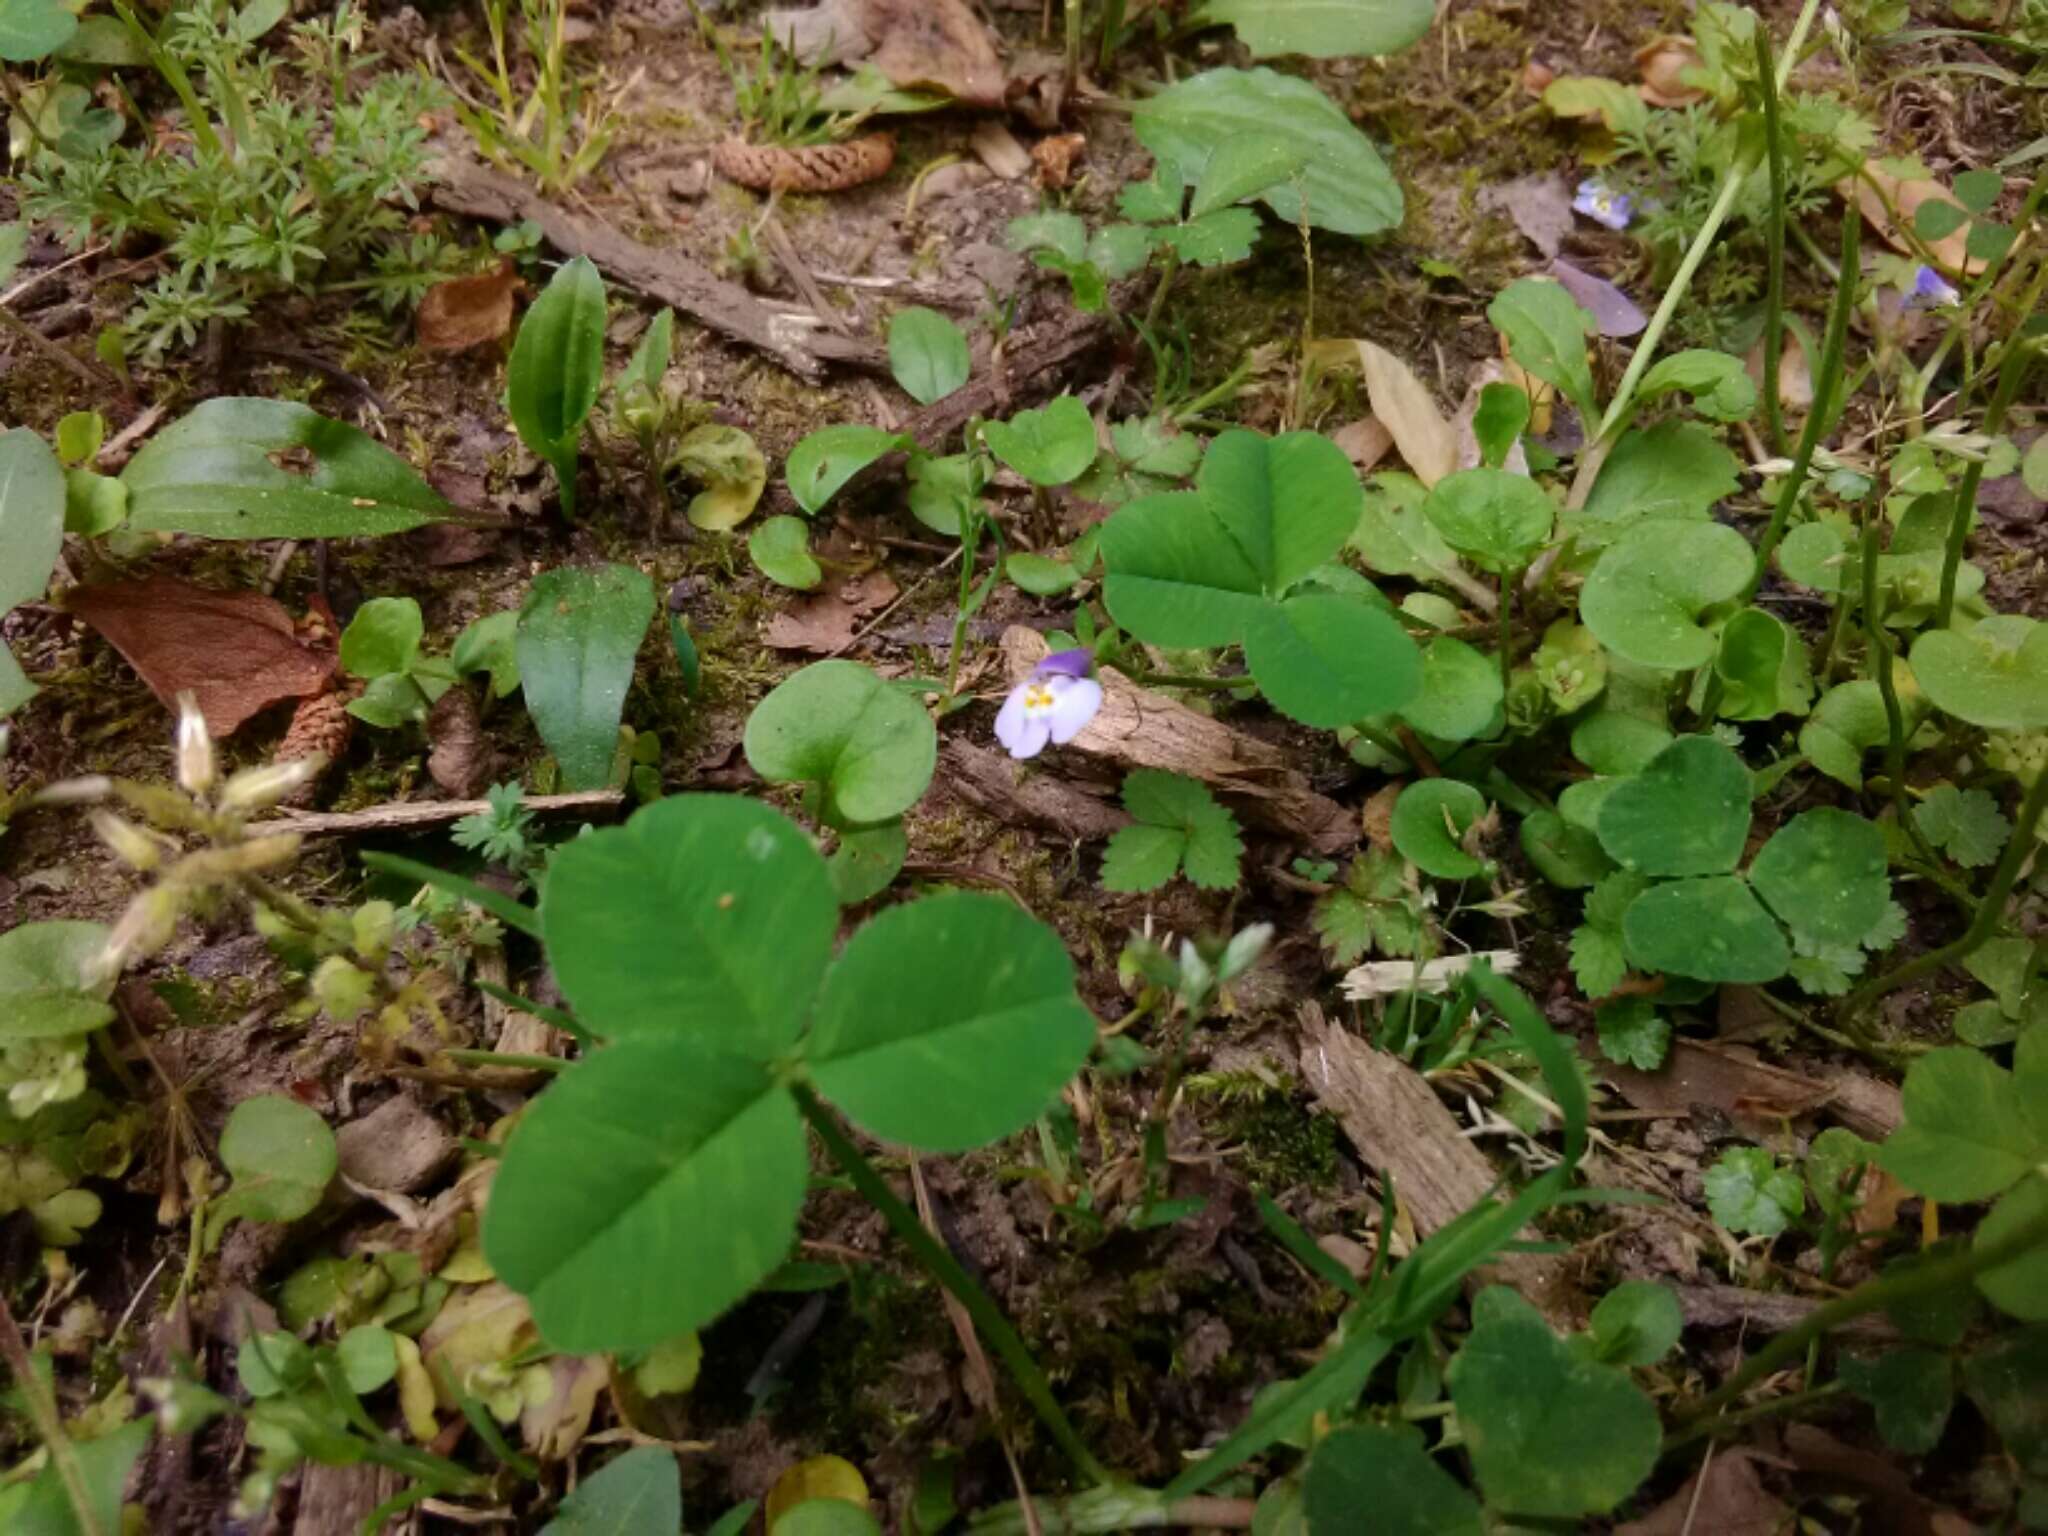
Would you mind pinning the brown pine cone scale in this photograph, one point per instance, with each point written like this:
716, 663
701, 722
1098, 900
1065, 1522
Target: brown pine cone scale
807, 168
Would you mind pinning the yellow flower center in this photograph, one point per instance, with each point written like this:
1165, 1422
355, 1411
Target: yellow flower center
1038, 697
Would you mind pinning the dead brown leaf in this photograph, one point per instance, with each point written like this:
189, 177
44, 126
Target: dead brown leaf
1365, 442
1000, 150
1889, 205
1751, 1093
1663, 60
825, 624
1726, 1497
1403, 404
235, 652
937, 43
1795, 373
1055, 155
466, 312
1540, 205
1536, 77
459, 760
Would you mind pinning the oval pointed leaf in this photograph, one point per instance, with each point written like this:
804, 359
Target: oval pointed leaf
1710, 929
704, 915
637, 1494
1326, 659
31, 513
837, 725
1323, 29
557, 364
1644, 599
927, 353
578, 635
826, 459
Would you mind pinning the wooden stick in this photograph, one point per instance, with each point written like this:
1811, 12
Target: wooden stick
416, 815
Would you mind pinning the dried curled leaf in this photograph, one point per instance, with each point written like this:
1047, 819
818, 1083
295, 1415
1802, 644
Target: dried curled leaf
465, 312
1664, 60
810, 168
1889, 204
1403, 404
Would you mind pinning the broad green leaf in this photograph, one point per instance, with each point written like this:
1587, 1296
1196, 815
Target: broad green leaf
1636, 1323
1710, 929
949, 1022
1969, 1132
1719, 386
2005, 1378
822, 463
1646, 595
1142, 858
384, 636
1569, 857
1387, 1471
927, 353
637, 1494
781, 550
1496, 519
215, 473
282, 1157
1328, 660
1613, 741
1349, 188
104, 1463
868, 746
1686, 813
1676, 470
1047, 446
369, 1358
557, 368
94, 504
47, 983
490, 644
32, 30
1429, 824
392, 699
827, 1517
579, 633
1763, 667
1040, 575
1546, 330
1816, 555
31, 515
1508, 1383
2018, 1288
1394, 536
1461, 692
866, 860
1848, 722
1289, 502
1912, 1391
651, 1187
1630, 1029
1994, 675
1061, 232
708, 916
1175, 575
1824, 874
1751, 1195
1322, 29
1499, 421
1118, 250
1242, 168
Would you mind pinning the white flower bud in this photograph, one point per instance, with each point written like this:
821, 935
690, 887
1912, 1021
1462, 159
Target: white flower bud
132, 846
83, 791
256, 789
195, 748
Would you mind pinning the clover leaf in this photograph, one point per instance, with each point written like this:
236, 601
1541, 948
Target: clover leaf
1711, 928
1646, 596
1687, 813
1824, 874
1994, 674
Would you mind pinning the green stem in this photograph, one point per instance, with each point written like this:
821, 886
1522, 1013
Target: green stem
49, 1424
1106, 1510
1507, 632
1158, 305
524, 1062
1774, 245
989, 1321
1792, 1402
2020, 356
1873, 1295
1982, 926
1959, 325
1112, 33
1879, 644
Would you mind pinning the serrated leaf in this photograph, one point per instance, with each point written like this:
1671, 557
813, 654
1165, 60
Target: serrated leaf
1969, 1133
1966, 824
1215, 239
1631, 1030
1598, 964
1142, 858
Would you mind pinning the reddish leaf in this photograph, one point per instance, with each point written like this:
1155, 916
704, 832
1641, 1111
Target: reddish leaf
465, 312
236, 652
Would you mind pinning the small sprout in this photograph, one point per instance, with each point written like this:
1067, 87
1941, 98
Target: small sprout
195, 748
256, 789
1055, 703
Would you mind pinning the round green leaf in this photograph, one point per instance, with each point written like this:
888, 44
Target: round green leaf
655, 1184
1569, 857
1994, 675
1816, 555
837, 725
1710, 929
1461, 692
1645, 597
637, 1494
927, 353
1496, 519
825, 460
781, 550
31, 507
866, 860
1615, 742
384, 636
33, 29
1675, 470
1323, 31
949, 1022
706, 915
1048, 446
282, 1156
369, 1358
1636, 1323
1387, 1471
1763, 667
2018, 1288
1687, 813
1824, 874
44, 990
1429, 822
1327, 660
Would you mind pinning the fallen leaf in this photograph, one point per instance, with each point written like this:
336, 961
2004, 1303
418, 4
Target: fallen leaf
466, 312
1725, 1497
1365, 442
1055, 154
1536, 77
1403, 404
833, 33
825, 624
555, 1425
1890, 204
235, 652
1613, 311
1663, 61
1540, 205
1890, 1507
1749, 1092
458, 759
1384, 978
999, 150
1795, 374
937, 43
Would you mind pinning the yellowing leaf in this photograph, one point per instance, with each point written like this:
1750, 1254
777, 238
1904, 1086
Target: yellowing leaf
1403, 404
554, 1421
729, 464
415, 1391
816, 1477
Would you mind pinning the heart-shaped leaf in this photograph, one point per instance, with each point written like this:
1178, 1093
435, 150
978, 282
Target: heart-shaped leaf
1824, 874
1719, 386
981, 1029
1496, 519
1710, 929
1047, 446
1645, 597
781, 550
1687, 813
825, 460
1429, 824
867, 746
1994, 675
579, 633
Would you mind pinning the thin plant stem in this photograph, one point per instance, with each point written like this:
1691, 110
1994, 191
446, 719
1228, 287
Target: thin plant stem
1993, 271
2020, 357
1879, 644
1989, 911
1873, 1295
1507, 631
1158, 305
1112, 33
1107, 1510
1774, 245
49, 1424
1792, 1402
989, 1321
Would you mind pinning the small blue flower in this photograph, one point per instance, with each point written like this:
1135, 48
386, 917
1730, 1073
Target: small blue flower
1931, 291
1614, 209
1055, 703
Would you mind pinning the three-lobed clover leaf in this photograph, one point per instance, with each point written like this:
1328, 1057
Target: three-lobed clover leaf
659, 1179
1824, 874
1645, 598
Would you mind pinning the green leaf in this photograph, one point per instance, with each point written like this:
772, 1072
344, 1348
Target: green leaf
32, 30
1047, 446
384, 636
1546, 331
868, 746
31, 515
557, 368
1242, 168
705, 915
216, 473
654, 1185
1322, 29
1631, 1030
1118, 250
1177, 819
1848, 722
104, 1463
1327, 660
1496, 519
1142, 858
1969, 1132
825, 460
637, 1494
1386, 1470
490, 644
1834, 1168
1994, 675
1763, 667
579, 634
1289, 502
1687, 813
1966, 824
1616, 743
781, 550
1674, 471
1500, 420
1064, 233
1751, 1195
1569, 857
866, 860
2018, 1288
1460, 693
2006, 1381
1040, 575
1373, 911
46, 985
927, 353
1824, 874
1636, 1323
1710, 929
728, 464
1816, 555
1429, 824
1912, 1391
392, 699
1646, 595
1508, 1382
1394, 536
949, 1022
369, 1358
282, 1157
1719, 386
827, 1517
648, 367
1215, 239
94, 504
1349, 188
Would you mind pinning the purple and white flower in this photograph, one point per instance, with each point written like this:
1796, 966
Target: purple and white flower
1614, 209
1931, 290
1055, 703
